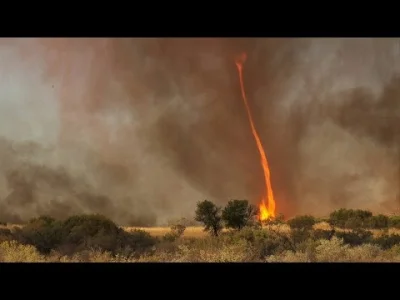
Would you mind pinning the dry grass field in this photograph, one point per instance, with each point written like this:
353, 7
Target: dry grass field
94, 238
191, 231
198, 232
376, 232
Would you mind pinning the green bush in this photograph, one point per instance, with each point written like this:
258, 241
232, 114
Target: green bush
350, 219
263, 242
274, 243
137, 242
6, 235
379, 222
387, 241
44, 233
239, 213
394, 222
320, 234
302, 222
82, 232
96, 231
299, 236
356, 237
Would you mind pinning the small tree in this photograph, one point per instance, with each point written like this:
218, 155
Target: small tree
210, 215
238, 213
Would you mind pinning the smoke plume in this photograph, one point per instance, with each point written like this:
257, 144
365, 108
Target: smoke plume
142, 129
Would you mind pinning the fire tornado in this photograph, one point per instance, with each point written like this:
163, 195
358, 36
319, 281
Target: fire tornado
267, 204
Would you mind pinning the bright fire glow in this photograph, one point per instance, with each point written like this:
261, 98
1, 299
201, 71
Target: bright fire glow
266, 206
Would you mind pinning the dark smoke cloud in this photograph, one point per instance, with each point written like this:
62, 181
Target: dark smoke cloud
142, 129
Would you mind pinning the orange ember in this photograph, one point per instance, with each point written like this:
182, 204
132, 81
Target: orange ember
266, 206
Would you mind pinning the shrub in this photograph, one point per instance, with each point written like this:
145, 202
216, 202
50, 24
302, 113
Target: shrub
221, 249
44, 233
176, 232
12, 251
379, 222
299, 236
302, 222
76, 227
83, 232
209, 214
320, 234
394, 221
270, 243
96, 231
136, 242
387, 241
365, 253
217, 250
354, 223
238, 213
349, 218
356, 237
339, 217
331, 250
6, 235
336, 251
264, 242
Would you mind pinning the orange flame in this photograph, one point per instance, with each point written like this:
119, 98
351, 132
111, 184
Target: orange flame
266, 206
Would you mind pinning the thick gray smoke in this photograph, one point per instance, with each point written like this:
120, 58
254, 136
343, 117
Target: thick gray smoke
142, 129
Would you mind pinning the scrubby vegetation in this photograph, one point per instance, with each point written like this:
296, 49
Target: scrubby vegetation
231, 234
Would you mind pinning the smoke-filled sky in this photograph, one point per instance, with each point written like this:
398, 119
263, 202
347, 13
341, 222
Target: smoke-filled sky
143, 129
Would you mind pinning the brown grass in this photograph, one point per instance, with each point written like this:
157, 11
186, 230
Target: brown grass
192, 231
195, 231
198, 232
206, 249
376, 232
